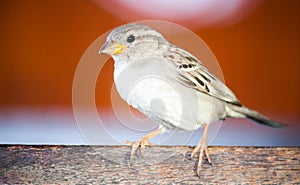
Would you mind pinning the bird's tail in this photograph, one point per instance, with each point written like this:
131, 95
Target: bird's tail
236, 111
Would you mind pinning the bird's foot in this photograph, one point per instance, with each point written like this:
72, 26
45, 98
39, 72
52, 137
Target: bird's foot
201, 148
142, 143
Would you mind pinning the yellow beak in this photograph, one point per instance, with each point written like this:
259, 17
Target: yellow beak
111, 48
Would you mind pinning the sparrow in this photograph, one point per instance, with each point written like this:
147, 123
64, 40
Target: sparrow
140, 52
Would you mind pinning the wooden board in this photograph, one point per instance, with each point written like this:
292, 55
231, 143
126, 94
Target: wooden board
159, 165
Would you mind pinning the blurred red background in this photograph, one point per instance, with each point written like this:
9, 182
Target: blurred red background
43, 41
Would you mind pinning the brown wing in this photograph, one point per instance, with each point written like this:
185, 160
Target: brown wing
192, 73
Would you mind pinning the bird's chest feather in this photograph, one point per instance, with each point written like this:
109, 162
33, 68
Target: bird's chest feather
151, 88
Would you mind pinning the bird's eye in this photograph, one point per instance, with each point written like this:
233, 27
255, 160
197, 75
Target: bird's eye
130, 38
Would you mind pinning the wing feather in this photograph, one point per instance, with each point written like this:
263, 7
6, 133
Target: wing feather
192, 73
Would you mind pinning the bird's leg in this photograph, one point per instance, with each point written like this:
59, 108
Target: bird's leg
202, 147
143, 142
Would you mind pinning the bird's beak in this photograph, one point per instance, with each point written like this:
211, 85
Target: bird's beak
111, 48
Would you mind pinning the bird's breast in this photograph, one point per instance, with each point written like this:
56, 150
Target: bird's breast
153, 90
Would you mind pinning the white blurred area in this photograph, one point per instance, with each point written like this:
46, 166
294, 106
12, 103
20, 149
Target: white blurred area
58, 127
193, 14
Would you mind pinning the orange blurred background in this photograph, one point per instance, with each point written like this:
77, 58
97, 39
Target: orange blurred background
43, 41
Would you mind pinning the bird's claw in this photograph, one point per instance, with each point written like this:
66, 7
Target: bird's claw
135, 145
202, 147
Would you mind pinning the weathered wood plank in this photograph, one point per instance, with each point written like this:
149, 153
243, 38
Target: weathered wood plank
160, 165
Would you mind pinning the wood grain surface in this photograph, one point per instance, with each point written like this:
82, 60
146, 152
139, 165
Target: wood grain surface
157, 165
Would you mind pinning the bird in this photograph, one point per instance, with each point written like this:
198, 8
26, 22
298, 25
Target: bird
139, 51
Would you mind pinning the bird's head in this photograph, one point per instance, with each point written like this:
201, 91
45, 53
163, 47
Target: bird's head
133, 41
